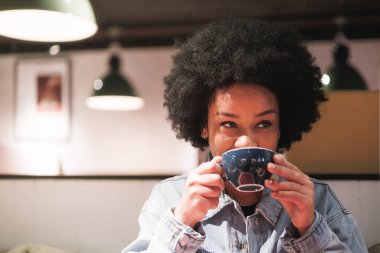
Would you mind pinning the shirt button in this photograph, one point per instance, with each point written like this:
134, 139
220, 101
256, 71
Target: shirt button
257, 221
242, 247
182, 244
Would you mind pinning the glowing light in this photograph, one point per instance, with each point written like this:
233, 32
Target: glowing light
98, 84
115, 103
32, 158
54, 50
31, 25
325, 79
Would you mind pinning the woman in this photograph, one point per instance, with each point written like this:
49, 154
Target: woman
244, 83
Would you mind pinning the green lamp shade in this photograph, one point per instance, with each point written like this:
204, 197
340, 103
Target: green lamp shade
345, 77
114, 92
341, 75
47, 20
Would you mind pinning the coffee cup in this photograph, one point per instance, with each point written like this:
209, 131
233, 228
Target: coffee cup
246, 168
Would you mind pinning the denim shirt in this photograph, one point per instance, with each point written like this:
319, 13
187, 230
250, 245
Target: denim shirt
226, 229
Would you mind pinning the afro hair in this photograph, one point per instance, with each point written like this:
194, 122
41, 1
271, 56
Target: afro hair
245, 51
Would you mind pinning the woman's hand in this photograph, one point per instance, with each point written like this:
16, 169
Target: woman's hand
202, 191
296, 194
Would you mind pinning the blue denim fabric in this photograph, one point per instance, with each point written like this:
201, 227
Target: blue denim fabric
226, 229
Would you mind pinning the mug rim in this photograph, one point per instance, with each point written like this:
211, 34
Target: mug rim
249, 148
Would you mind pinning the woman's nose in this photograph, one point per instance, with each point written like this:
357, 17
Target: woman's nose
245, 141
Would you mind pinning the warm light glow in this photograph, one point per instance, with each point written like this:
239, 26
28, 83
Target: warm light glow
45, 26
98, 84
31, 158
115, 103
54, 50
43, 160
42, 126
325, 79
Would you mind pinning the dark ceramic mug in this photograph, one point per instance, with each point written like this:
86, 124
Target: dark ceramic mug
246, 168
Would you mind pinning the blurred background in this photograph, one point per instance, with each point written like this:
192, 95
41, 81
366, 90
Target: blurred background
75, 172
158, 23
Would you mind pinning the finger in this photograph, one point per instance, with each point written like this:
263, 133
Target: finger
211, 167
290, 187
205, 192
217, 159
209, 180
286, 186
200, 205
280, 159
206, 203
289, 174
291, 196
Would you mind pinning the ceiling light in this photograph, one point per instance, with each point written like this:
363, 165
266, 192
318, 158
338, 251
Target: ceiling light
114, 92
47, 21
54, 50
342, 75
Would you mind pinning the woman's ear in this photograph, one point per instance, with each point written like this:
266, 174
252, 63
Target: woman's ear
204, 133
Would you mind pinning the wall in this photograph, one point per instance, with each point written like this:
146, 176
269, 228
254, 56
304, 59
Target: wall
100, 215
364, 57
329, 150
97, 216
101, 142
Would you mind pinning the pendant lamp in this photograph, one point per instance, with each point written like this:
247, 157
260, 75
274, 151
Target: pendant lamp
114, 92
341, 75
47, 20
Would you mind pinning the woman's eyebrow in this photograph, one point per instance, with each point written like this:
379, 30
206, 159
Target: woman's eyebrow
266, 112
232, 115
227, 114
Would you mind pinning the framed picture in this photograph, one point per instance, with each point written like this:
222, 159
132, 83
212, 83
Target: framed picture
42, 99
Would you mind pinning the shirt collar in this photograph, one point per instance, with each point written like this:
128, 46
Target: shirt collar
268, 207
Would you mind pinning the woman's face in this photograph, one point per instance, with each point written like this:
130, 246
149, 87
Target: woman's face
242, 116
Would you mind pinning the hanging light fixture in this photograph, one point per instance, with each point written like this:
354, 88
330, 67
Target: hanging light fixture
114, 92
47, 20
342, 75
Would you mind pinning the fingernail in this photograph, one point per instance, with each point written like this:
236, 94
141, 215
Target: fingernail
279, 156
271, 166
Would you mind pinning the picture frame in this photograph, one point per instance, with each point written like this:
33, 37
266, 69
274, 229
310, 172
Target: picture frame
42, 99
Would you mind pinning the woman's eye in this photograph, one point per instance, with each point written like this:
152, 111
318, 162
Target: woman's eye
229, 124
264, 124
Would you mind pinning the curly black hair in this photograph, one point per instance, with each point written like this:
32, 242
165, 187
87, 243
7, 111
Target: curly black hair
245, 51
